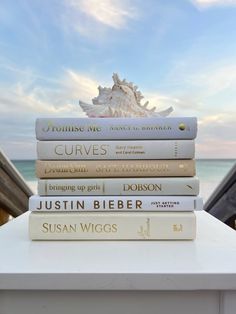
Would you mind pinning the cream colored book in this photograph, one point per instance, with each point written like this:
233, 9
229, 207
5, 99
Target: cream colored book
119, 186
112, 226
114, 168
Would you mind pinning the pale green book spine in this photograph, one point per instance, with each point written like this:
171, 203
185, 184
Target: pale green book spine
112, 226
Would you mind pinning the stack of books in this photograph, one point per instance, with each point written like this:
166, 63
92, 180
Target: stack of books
115, 179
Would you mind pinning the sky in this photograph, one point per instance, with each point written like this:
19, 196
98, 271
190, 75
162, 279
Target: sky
180, 53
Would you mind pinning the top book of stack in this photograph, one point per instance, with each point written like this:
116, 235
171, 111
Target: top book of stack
49, 129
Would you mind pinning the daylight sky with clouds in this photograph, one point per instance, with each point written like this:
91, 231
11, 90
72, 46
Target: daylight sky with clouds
180, 53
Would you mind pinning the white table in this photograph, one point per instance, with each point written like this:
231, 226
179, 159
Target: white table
161, 277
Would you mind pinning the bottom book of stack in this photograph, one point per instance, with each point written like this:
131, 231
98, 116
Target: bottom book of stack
113, 218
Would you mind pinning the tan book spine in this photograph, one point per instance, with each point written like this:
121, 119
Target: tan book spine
115, 168
112, 226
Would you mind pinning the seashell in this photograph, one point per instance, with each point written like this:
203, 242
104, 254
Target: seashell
122, 100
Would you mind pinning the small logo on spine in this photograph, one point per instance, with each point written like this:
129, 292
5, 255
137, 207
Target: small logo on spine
182, 126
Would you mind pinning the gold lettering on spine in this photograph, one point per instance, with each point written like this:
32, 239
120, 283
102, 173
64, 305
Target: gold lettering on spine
98, 228
145, 230
45, 227
64, 169
119, 168
58, 228
142, 187
114, 228
62, 128
48, 127
94, 128
177, 227
85, 227
156, 127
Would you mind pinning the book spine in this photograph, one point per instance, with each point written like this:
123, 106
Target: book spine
77, 150
115, 168
112, 226
118, 186
114, 203
116, 128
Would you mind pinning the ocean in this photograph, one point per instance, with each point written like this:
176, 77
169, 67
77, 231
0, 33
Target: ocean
209, 171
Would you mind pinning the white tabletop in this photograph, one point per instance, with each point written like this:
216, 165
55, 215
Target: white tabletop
208, 263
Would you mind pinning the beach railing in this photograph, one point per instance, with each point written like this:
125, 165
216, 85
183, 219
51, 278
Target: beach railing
222, 203
14, 191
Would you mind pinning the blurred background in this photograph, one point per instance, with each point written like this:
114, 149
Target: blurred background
179, 53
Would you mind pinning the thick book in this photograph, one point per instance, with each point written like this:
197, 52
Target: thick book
115, 168
149, 149
112, 226
116, 128
119, 186
114, 203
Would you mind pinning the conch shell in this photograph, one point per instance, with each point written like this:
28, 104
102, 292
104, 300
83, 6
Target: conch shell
122, 100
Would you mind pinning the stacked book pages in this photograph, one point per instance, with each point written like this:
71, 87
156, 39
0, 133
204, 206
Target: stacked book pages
115, 179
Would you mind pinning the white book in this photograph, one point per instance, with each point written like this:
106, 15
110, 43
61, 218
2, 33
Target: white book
119, 186
112, 226
149, 149
116, 128
114, 203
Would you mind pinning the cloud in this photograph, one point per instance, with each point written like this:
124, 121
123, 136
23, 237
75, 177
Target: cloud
215, 119
209, 87
93, 18
23, 101
215, 149
111, 13
217, 126
216, 136
208, 90
209, 3
80, 86
217, 78
42, 95
179, 103
17, 98
216, 130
